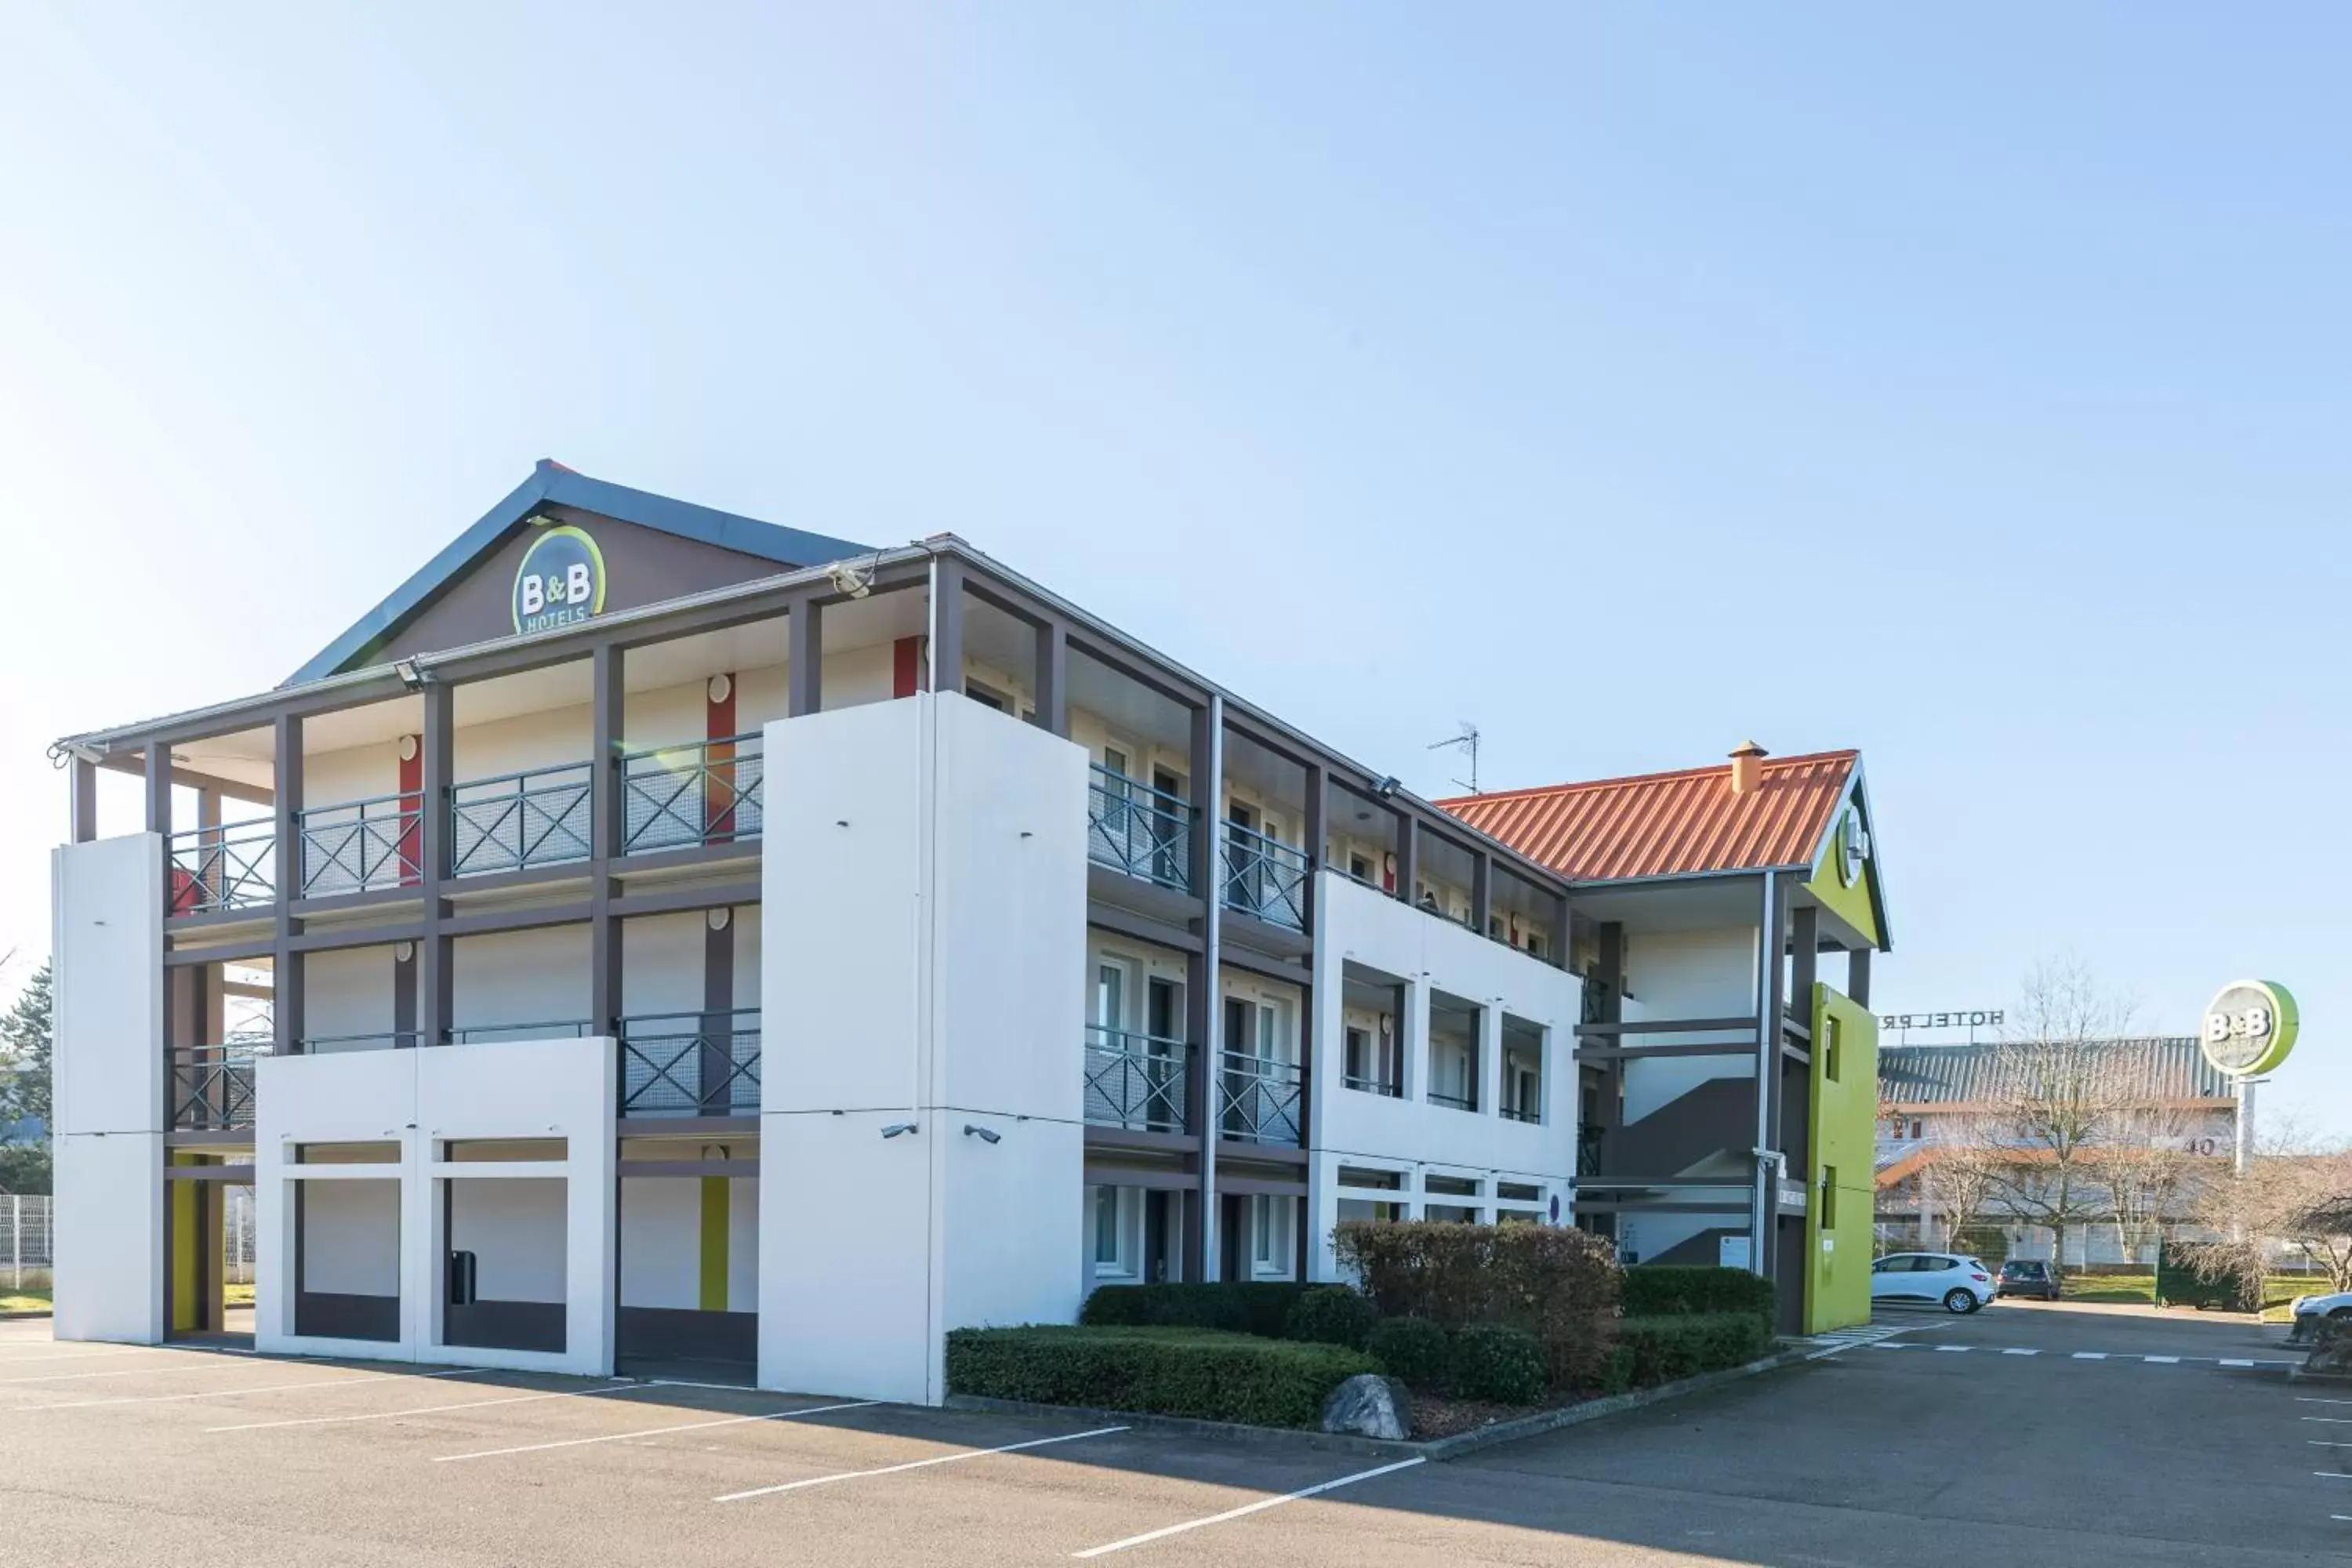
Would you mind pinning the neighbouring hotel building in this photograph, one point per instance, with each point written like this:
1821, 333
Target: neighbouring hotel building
654, 936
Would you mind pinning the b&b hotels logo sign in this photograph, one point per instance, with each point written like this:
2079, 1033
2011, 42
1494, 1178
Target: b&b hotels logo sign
2249, 1026
561, 581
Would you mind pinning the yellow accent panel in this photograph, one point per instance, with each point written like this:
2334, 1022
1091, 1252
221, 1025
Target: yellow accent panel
1843, 1137
714, 1244
187, 1230
1850, 904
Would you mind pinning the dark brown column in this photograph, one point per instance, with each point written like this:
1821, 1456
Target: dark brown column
84, 808
286, 964
1482, 890
1609, 973
435, 990
947, 624
1312, 839
1857, 975
1772, 947
159, 793
717, 1012
606, 708
1053, 678
1408, 857
804, 655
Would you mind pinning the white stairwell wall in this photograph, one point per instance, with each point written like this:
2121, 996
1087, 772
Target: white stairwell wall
108, 937
924, 898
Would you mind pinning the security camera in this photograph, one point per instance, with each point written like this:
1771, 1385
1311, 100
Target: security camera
897, 1127
850, 580
983, 1134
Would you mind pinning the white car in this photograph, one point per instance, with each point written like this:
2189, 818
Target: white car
2304, 1314
1959, 1284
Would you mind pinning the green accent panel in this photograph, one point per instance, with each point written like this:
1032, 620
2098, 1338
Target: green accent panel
714, 1244
1844, 1138
1850, 902
187, 1230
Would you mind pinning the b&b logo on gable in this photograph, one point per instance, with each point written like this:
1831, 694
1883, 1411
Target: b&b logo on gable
561, 581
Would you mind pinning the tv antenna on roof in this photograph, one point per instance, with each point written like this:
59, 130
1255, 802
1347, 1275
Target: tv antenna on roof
1465, 741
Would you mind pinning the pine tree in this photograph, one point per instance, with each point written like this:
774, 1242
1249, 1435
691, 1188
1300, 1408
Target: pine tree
25, 1085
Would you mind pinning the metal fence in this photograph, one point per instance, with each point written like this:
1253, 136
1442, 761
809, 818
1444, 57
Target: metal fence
28, 1236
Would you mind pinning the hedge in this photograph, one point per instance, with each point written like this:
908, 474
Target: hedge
1199, 1373
1559, 1285
1330, 1315
1414, 1351
1506, 1365
1655, 1350
1248, 1307
1657, 1290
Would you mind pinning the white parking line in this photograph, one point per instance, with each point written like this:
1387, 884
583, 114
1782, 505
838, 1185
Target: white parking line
127, 1372
1262, 1504
916, 1464
429, 1409
226, 1392
2014, 1350
2233, 1361
652, 1432
2315, 1399
2163, 1360
2090, 1355
1961, 1348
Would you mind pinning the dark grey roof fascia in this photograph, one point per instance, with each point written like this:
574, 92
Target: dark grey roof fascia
551, 484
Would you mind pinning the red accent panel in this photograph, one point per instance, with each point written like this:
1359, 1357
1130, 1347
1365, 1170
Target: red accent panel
906, 666
411, 814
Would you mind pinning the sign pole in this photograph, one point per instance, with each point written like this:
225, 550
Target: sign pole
2245, 1151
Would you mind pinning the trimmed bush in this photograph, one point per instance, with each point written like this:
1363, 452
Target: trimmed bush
1414, 1350
1658, 1289
1559, 1285
1199, 1373
1651, 1351
1330, 1315
1506, 1365
1247, 1307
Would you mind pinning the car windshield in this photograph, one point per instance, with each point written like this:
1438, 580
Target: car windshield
2022, 1270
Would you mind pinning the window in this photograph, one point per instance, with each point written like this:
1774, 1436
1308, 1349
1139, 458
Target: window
1830, 1049
1829, 1198
1110, 996
1359, 868
1359, 1057
1262, 1250
1113, 1259
987, 696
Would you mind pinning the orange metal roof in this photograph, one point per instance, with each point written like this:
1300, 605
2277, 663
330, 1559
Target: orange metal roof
1669, 824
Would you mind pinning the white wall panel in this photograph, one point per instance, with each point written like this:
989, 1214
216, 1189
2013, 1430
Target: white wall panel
110, 1236
1686, 975
107, 908
348, 991
845, 1301
661, 1242
661, 963
515, 1229
520, 977
351, 1238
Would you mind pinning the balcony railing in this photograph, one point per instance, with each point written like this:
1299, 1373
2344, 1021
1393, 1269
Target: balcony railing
1265, 876
1135, 829
1588, 1149
517, 821
212, 1085
361, 846
690, 1064
378, 1040
1373, 1083
490, 1033
1135, 1081
1517, 1113
1260, 1101
233, 866
707, 792
1453, 1102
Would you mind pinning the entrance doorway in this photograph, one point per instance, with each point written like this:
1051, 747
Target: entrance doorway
209, 1240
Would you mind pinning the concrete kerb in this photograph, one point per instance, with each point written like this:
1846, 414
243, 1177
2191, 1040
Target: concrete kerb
1436, 1449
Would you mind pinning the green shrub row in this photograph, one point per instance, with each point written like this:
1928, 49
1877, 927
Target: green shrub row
1654, 1350
1243, 1307
1199, 1373
1558, 1284
1478, 1361
1657, 1290
1330, 1315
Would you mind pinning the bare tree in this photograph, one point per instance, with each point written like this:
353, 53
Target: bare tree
2144, 1161
1962, 1173
2056, 1098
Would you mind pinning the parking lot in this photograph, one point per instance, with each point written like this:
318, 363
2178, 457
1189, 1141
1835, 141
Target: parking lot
2052, 1432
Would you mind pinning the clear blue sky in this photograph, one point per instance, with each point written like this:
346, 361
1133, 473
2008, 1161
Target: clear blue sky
1972, 388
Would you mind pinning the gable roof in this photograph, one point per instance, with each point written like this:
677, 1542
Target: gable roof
2151, 1069
1682, 824
552, 484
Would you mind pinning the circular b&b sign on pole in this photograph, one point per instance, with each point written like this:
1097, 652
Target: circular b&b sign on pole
2249, 1027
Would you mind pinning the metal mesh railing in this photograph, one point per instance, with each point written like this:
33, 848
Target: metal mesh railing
360, 845
690, 1064
520, 820
212, 1085
233, 866
1135, 1081
1265, 876
707, 792
1260, 1101
1135, 829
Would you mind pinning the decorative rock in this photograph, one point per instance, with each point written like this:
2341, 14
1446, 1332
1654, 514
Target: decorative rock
1369, 1406
2333, 1356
